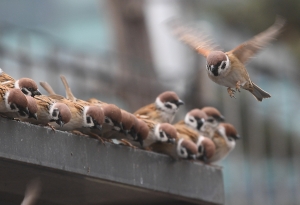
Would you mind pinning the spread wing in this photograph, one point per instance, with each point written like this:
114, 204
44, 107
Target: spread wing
192, 37
249, 48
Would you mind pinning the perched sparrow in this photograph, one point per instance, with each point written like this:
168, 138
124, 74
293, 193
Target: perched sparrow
181, 149
206, 149
214, 113
228, 68
112, 113
194, 119
164, 108
159, 132
224, 140
50, 110
13, 100
26, 85
32, 108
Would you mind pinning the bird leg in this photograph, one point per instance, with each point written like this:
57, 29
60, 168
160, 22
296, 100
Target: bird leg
101, 139
53, 129
125, 142
238, 86
231, 92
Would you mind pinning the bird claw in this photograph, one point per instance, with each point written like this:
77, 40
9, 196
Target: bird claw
101, 139
238, 86
52, 128
125, 142
231, 92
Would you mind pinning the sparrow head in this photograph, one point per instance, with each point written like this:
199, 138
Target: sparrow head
206, 148
168, 102
213, 112
143, 132
93, 117
113, 116
28, 86
217, 62
229, 132
16, 101
127, 121
165, 132
186, 149
60, 113
32, 107
195, 118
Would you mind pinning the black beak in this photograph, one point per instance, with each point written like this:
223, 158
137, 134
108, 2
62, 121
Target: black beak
214, 70
171, 140
99, 127
60, 122
192, 156
220, 118
119, 124
141, 141
31, 115
237, 137
24, 111
133, 133
36, 92
179, 102
199, 123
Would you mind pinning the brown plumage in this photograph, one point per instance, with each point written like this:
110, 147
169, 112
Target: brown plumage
213, 112
228, 68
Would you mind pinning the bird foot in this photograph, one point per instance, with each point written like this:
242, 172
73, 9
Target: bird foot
231, 92
101, 139
53, 129
238, 86
123, 142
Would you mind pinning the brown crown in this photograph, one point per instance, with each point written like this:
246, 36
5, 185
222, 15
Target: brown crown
168, 96
16, 96
127, 120
169, 130
213, 112
27, 83
209, 147
230, 130
64, 112
215, 57
32, 106
112, 111
96, 113
198, 113
189, 145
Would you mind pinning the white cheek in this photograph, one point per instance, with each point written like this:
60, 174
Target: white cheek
189, 123
162, 106
178, 149
51, 112
6, 101
17, 84
85, 123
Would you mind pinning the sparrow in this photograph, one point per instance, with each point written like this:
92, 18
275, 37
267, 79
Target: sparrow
225, 140
26, 85
214, 113
50, 110
181, 149
159, 132
84, 116
112, 113
163, 109
32, 109
13, 100
228, 68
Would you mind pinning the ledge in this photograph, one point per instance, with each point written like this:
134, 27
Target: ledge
79, 170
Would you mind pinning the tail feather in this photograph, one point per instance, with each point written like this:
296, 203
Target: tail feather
48, 88
259, 93
69, 93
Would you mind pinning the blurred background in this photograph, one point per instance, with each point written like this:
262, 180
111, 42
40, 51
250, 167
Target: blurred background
120, 51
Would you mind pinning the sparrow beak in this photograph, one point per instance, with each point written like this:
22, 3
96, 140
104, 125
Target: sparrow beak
214, 70
24, 111
179, 102
118, 126
99, 127
31, 115
237, 137
192, 156
199, 123
36, 92
141, 141
133, 134
171, 140
60, 122
221, 118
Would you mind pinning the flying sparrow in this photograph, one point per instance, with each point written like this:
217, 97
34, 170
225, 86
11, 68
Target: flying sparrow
181, 149
26, 85
224, 140
13, 100
227, 68
163, 109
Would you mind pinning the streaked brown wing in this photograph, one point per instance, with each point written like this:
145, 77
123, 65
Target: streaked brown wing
192, 37
249, 48
145, 110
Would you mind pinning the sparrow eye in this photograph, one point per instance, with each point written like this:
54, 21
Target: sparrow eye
211, 120
191, 120
168, 105
161, 134
182, 151
230, 139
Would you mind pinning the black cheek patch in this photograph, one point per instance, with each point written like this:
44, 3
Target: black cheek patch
88, 120
223, 66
